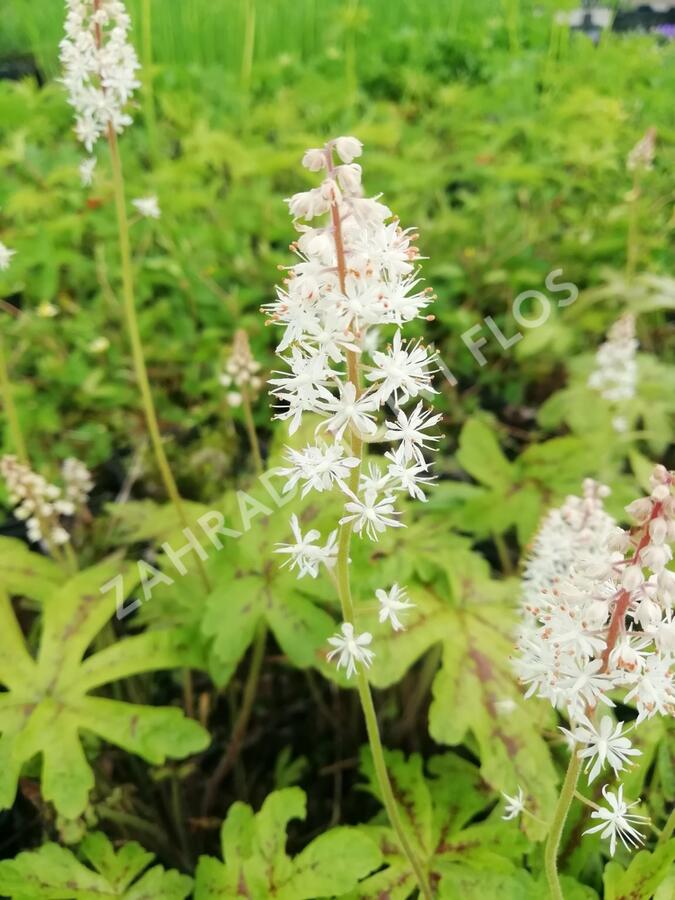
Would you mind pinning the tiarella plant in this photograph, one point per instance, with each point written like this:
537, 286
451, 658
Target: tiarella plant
598, 625
99, 74
343, 307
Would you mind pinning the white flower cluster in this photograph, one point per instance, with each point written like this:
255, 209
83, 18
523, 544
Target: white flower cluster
242, 371
357, 272
616, 373
99, 67
39, 503
77, 481
598, 617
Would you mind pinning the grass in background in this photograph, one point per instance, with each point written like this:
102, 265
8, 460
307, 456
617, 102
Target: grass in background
214, 32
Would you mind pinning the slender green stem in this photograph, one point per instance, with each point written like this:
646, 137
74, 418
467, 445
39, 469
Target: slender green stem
385, 784
503, 553
137, 346
15, 432
232, 750
251, 432
557, 824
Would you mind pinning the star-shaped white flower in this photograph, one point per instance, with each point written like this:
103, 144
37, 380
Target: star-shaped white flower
514, 805
392, 602
305, 554
617, 821
352, 648
411, 431
403, 370
604, 744
370, 514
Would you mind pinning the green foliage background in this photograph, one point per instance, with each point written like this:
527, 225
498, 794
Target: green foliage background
503, 138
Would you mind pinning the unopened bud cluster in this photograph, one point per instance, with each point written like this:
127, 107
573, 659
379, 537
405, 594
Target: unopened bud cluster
598, 619
242, 371
99, 67
40, 504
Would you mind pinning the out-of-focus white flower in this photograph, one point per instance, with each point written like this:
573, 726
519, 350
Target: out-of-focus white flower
87, 167
148, 207
351, 648
38, 503
77, 480
99, 344
392, 602
99, 67
643, 153
5, 257
616, 372
617, 821
47, 310
514, 805
242, 370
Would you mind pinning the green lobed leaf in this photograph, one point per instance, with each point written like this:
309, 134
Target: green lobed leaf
481, 456
47, 705
54, 873
26, 573
257, 866
642, 877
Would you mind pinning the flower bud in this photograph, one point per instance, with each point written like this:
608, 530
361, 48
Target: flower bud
658, 529
348, 148
315, 160
632, 578
661, 492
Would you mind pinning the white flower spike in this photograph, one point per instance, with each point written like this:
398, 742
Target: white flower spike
99, 67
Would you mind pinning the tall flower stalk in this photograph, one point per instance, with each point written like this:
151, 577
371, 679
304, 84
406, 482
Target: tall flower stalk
100, 66
6, 388
598, 617
357, 274
7, 393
